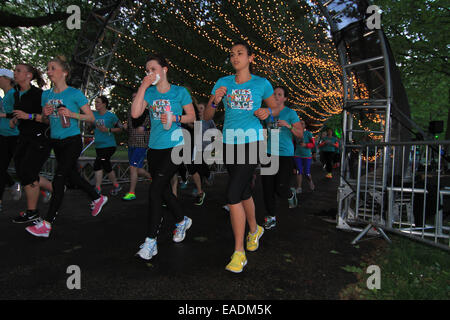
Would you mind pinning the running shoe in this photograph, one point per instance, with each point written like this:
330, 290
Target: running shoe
210, 180
98, 204
26, 216
270, 222
148, 249
16, 191
41, 228
293, 202
183, 185
238, 262
199, 199
180, 231
46, 196
299, 190
115, 190
129, 196
253, 238
329, 176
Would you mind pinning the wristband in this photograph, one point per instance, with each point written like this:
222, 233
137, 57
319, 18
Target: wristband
213, 105
271, 116
30, 116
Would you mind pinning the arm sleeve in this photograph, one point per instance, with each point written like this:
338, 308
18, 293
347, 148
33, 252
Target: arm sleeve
268, 89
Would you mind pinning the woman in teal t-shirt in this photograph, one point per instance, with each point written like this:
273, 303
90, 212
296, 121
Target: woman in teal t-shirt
286, 121
63, 100
303, 158
163, 100
328, 145
8, 136
242, 95
106, 124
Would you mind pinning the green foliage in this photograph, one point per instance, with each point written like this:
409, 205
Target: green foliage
418, 32
36, 45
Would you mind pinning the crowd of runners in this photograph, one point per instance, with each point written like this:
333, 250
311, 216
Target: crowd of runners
161, 120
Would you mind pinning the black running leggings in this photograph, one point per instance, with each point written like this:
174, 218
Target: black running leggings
31, 154
7, 147
103, 159
162, 169
277, 184
240, 174
328, 157
67, 151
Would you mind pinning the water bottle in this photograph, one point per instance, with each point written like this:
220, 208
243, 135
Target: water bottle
65, 121
168, 124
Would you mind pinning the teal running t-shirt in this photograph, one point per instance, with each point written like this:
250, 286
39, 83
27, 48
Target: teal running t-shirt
286, 146
7, 106
105, 139
328, 144
241, 101
173, 100
73, 99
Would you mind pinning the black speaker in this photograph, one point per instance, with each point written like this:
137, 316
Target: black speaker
436, 127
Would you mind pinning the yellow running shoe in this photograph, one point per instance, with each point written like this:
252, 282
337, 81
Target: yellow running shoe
253, 239
238, 262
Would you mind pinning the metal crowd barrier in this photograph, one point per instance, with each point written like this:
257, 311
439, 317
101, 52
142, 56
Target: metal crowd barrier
401, 188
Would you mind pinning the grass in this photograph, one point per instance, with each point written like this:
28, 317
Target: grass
409, 271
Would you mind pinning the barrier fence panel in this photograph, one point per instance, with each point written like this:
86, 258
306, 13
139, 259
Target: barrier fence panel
407, 194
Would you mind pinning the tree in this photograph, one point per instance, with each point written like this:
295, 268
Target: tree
418, 34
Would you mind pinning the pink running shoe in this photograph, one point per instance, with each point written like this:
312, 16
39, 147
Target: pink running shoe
98, 204
41, 228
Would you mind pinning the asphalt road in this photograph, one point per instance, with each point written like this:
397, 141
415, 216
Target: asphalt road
301, 259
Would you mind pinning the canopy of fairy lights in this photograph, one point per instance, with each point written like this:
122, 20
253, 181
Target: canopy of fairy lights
309, 69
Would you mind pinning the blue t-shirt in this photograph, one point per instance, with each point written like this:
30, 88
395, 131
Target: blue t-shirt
7, 106
73, 99
329, 147
286, 146
105, 139
173, 100
304, 152
241, 101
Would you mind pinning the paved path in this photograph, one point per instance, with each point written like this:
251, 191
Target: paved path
301, 259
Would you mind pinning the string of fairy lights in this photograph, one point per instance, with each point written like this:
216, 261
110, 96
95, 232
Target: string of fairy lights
309, 70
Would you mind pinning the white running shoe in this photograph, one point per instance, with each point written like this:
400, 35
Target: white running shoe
148, 249
180, 231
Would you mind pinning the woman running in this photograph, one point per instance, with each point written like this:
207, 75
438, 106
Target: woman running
138, 134
8, 135
166, 103
289, 125
328, 145
106, 124
242, 95
200, 171
33, 145
63, 107
303, 158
